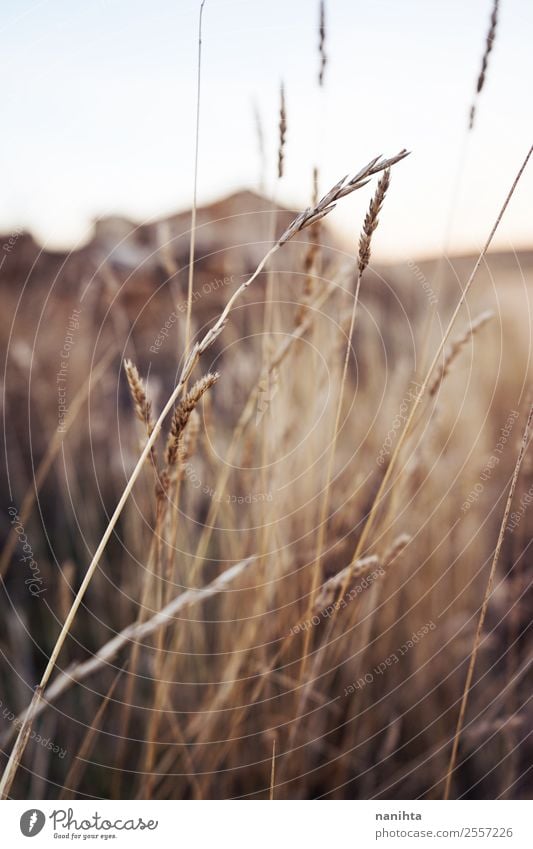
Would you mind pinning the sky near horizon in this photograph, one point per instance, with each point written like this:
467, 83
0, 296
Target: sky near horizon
99, 112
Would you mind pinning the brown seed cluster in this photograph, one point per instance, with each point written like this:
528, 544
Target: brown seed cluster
182, 414
344, 187
143, 407
372, 220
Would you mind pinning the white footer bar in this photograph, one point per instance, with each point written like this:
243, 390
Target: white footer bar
259, 825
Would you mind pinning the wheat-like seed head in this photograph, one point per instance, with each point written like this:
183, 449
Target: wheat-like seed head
189, 438
396, 548
491, 35
143, 407
182, 414
340, 190
343, 580
304, 219
372, 220
456, 347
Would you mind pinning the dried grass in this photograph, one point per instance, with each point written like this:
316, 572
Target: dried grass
225, 703
305, 219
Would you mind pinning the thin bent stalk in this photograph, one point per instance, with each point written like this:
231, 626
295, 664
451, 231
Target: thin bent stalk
192, 243
267, 373
273, 770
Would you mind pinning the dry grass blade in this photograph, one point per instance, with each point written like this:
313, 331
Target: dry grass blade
485, 604
456, 347
273, 770
132, 634
489, 43
340, 584
340, 190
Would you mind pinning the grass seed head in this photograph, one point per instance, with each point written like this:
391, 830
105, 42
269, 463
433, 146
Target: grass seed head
181, 416
372, 220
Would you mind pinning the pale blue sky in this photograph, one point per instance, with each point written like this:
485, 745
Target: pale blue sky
98, 110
